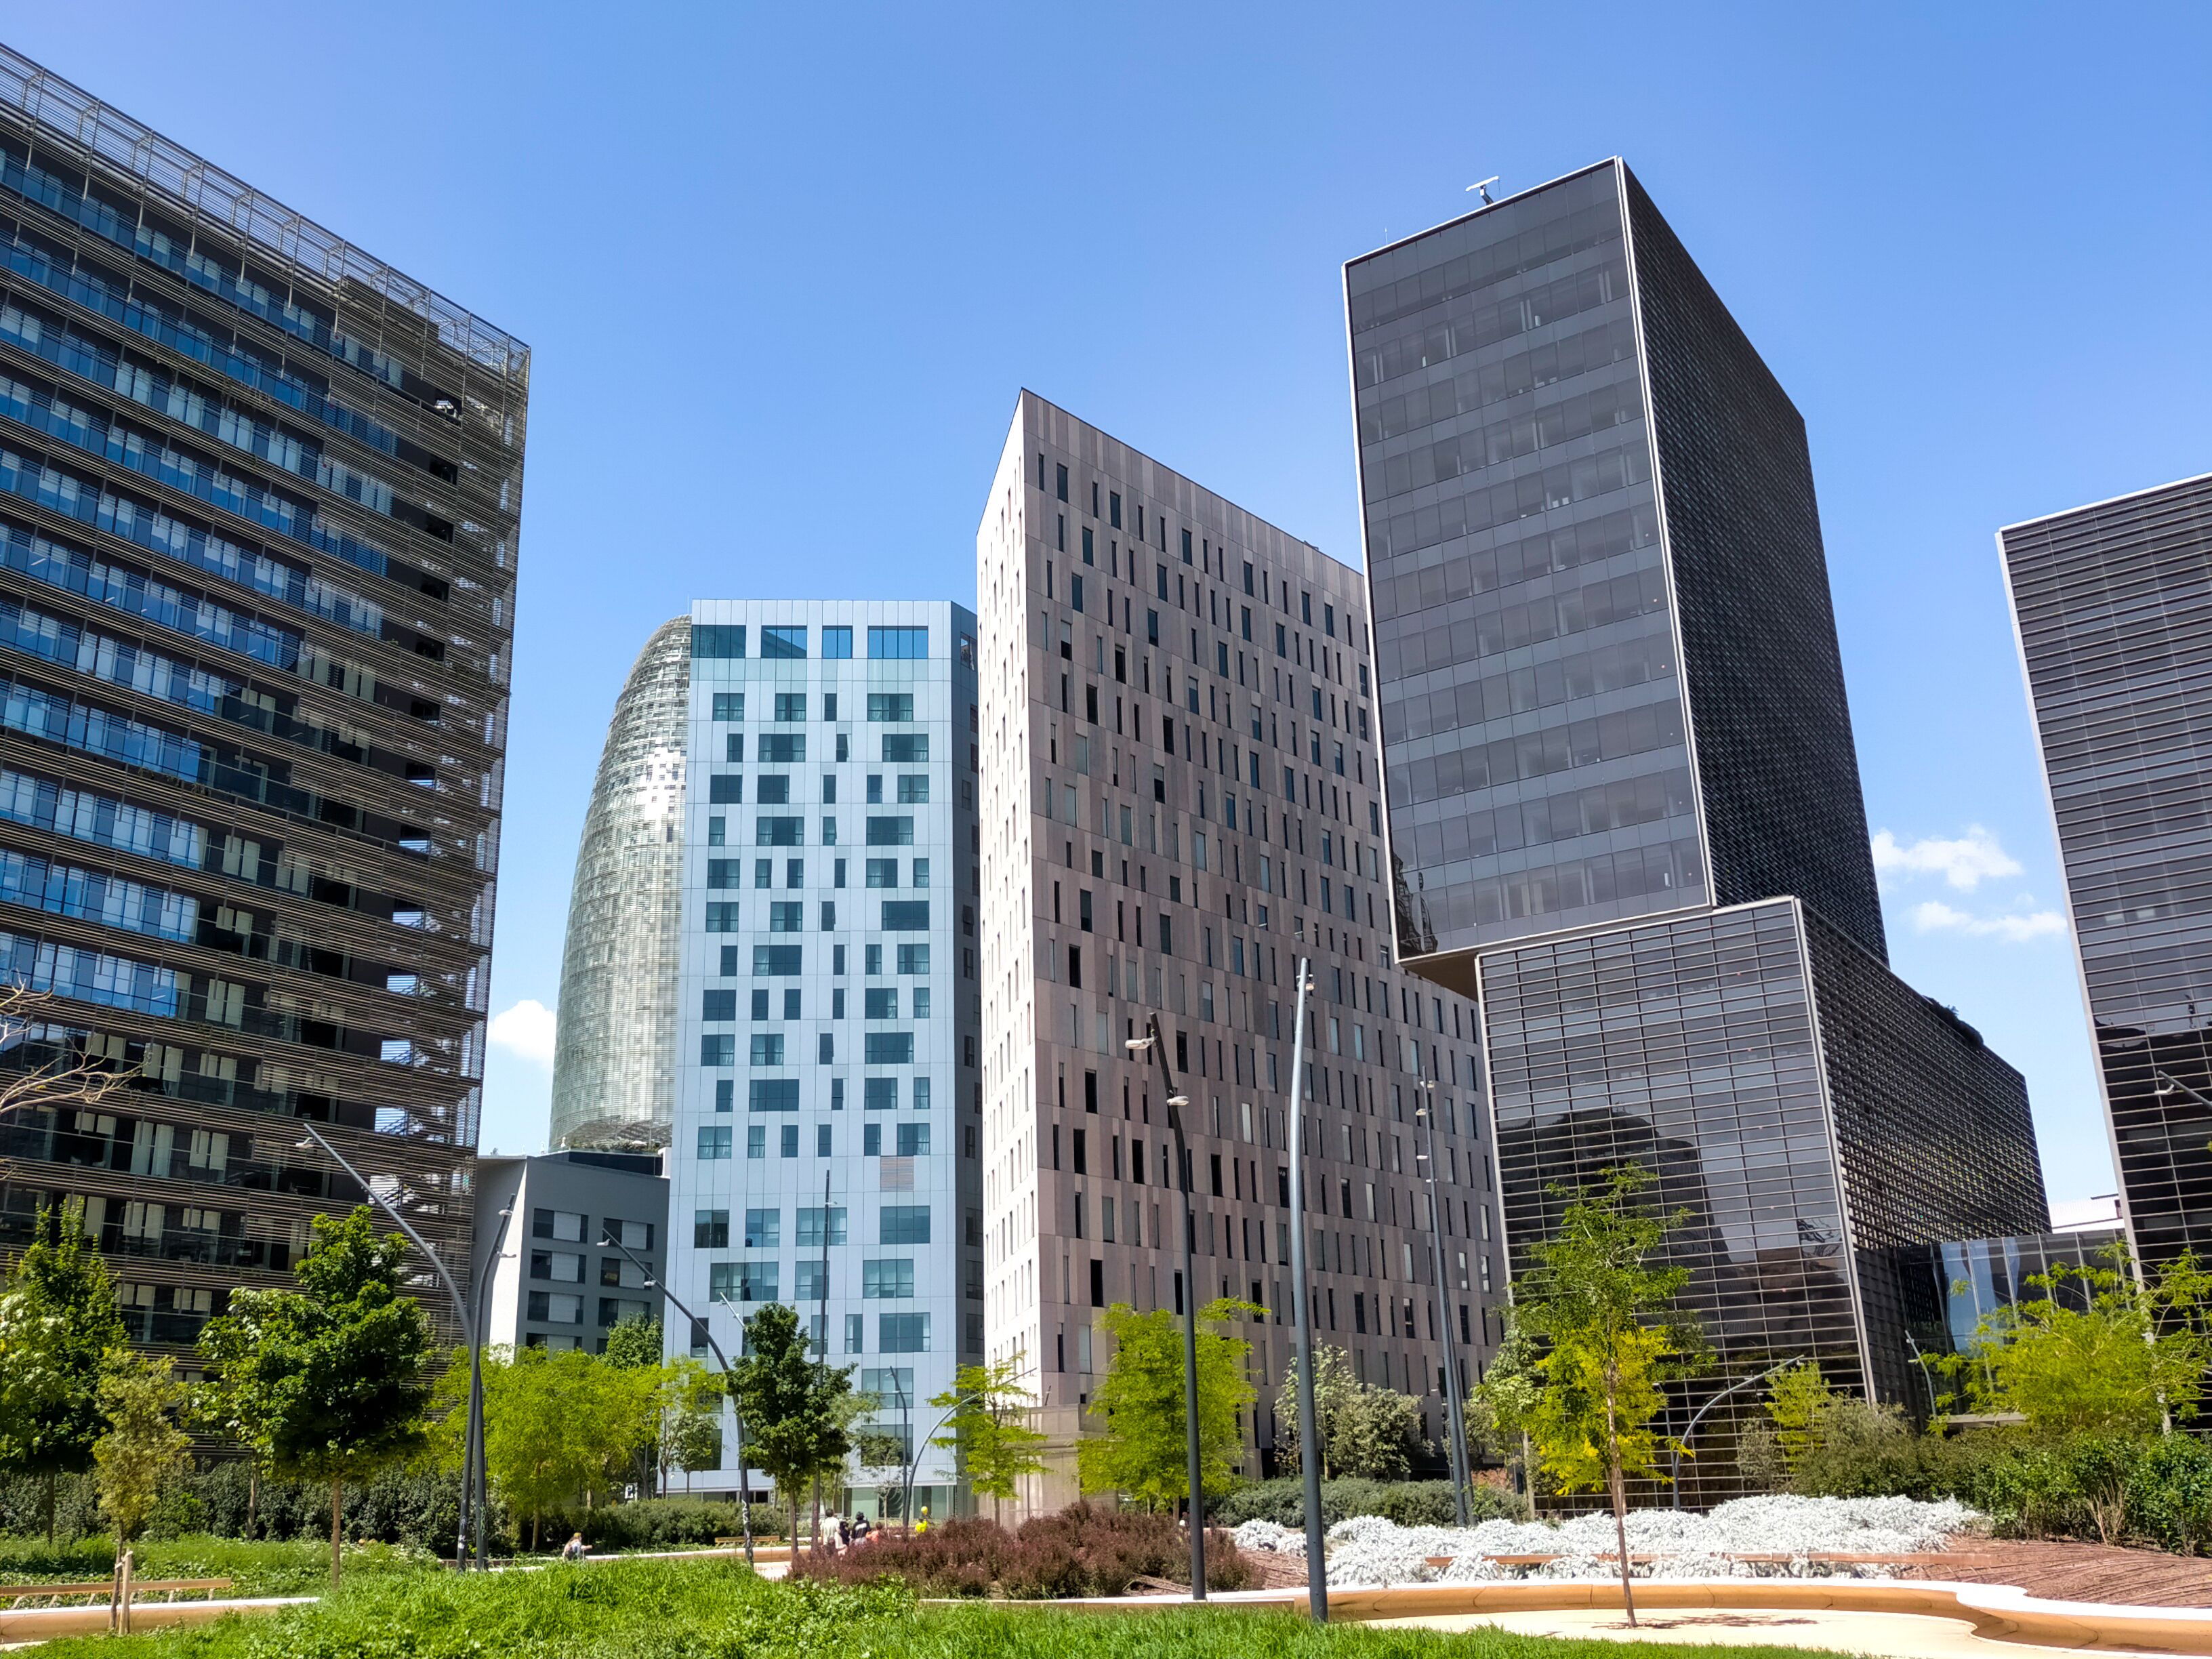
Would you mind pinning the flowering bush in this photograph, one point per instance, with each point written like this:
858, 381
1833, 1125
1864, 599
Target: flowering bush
1083, 1550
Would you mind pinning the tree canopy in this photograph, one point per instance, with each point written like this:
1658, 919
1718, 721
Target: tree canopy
1139, 1402
59, 1321
1608, 1337
990, 1428
143, 1448
1365, 1430
327, 1379
798, 1413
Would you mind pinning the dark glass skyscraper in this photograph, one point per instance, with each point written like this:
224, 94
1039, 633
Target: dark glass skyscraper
1623, 801
258, 498
2113, 606
1611, 685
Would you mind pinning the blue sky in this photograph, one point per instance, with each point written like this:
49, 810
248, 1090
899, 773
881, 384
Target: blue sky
783, 270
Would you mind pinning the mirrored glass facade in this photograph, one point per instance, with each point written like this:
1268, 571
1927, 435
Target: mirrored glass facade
260, 495
2113, 606
1779, 1083
614, 1057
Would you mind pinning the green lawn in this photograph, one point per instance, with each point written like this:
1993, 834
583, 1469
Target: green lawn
711, 1610
266, 1567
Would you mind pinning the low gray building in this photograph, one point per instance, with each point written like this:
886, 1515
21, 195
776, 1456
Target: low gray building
545, 1235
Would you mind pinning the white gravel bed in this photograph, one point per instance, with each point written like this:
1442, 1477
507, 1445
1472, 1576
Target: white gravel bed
1368, 1550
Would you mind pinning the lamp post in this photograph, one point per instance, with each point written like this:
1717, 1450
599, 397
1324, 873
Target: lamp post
477, 1479
471, 1450
1301, 1313
1186, 1178
1675, 1475
1452, 1426
607, 1240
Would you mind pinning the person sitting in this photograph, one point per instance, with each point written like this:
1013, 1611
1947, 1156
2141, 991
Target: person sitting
574, 1549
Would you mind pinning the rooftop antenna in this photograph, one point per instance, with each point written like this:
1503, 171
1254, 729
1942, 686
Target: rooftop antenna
1485, 187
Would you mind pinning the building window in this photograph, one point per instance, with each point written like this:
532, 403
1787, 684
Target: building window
914, 1141
782, 748
890, 705
914, 959
890, 831
906, 915
879, 1094
763, 1230
900, 643
563, 1224
902, 1333
722, 914
888, 1280
785, 642
718, 1004
553, 1307
901, 1223
729, 705
882, 873
887, 1047
772, 1094
906, 748
715, 641
780, 832
914, 789
836, 642
718, 1048
767, 1048
714, 1141
756, 1141
710, 1229
817, 1226
880, 1002
775, 961
725, 789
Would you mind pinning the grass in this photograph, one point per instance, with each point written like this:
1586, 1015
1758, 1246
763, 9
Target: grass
714, 1610
291, 1567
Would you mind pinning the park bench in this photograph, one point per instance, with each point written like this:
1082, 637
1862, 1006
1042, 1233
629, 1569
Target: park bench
121, 1590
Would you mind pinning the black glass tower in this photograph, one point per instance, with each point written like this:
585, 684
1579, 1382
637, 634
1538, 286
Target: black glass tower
1623, 804
258, 499
2113, 606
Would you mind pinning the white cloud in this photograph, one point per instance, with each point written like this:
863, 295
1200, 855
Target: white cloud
1934, 917
1964, 862
526, 1030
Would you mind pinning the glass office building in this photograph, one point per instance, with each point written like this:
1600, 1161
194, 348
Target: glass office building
1180, 797
2112, 603
614, 1056
1624, 806
259, 502
1610, 681
826, 1151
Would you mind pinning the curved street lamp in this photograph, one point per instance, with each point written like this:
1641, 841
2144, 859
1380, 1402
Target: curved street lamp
473, 1447
1674, 1476
1454, 1427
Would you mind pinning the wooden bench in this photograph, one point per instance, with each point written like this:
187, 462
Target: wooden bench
119, 1591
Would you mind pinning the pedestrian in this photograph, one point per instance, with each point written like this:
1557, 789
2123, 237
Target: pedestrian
861, 1529
844, 1533
574, 1549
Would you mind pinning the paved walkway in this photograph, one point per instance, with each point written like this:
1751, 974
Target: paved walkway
1907, 1636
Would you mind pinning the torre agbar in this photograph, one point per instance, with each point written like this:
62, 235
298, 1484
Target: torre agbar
1180, 797
258, 498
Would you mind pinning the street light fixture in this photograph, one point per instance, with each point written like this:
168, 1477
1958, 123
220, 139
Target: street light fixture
476, 1480
1675, 1475
1301, 1313
1454, 1425
473, 1447
1186, 1179
744, 1505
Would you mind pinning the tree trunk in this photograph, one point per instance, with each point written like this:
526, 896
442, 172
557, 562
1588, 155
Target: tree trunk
337, 1535
51, 1477
253, 1493
817, 1514
793, 1568
1619, 1486
534, 1515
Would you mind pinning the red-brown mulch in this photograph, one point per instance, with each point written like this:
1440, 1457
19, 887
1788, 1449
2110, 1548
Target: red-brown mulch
2069, 1571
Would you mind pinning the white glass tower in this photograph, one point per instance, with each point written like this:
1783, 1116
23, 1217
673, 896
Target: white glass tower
825, 1146
614, 1074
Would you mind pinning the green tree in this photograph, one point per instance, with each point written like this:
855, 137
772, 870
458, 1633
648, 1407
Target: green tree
143, 1448
329, 1376
2099, 1351
1139, 1402
1366, 1432
59, 1321
1502, 1401
990, 1429
633, 1343
1798, 1403
1609, 1339
798, 1414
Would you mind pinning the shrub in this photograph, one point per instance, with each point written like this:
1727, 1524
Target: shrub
1408, 1503
655, 1523
1084, 1550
